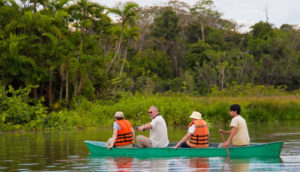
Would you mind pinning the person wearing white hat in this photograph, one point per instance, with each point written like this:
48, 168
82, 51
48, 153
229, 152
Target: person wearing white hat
197, 135
123, 135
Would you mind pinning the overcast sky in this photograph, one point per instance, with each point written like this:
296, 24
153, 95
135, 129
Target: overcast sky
246, 12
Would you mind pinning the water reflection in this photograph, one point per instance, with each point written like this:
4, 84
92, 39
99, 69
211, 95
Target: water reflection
184, 164
199, 164
121, 164
66, 151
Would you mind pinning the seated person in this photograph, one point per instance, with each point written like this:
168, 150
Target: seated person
238, 135
198, 133
158, 131
123, 136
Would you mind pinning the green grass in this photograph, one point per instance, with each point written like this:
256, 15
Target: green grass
18, 111
176, 109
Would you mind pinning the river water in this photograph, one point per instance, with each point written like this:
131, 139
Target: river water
66, 151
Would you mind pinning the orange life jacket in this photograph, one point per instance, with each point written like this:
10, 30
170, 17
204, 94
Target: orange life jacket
125, 135
199, 138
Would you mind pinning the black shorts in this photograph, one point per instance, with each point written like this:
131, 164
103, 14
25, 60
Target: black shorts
185, 145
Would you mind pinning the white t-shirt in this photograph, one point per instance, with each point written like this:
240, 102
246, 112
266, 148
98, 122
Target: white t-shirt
117, 126
191, 129
159, 132
241, 137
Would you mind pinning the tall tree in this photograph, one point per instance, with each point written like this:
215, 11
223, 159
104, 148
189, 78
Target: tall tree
128, 15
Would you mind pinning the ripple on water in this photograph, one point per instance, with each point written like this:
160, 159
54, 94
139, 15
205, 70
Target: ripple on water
73, 156
23, 169
291, 159
3, 168
51, 166
80, 168
8, 160
29, 164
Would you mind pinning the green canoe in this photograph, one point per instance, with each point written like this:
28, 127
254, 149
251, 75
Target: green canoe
269, 150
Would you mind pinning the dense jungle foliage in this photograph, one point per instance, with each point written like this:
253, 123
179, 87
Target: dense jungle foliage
73, 63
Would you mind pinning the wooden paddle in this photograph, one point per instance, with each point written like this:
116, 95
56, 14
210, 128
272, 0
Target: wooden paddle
224, 143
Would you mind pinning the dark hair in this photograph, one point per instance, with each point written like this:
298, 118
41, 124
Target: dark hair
119, 118
235, 107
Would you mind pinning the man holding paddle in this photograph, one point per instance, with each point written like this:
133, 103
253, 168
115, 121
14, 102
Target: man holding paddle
238, 135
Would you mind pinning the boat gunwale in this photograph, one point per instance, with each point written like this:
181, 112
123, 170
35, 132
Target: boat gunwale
239, 147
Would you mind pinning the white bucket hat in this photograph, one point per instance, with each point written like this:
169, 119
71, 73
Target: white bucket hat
196, 115
119, 114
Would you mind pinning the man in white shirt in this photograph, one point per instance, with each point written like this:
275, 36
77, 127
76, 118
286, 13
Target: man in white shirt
158, 131
238, 135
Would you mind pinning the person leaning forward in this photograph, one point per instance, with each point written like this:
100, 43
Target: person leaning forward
158, 131
238, 135
123, 136
198, 133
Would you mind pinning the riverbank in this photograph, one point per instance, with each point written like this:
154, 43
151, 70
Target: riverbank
175, 108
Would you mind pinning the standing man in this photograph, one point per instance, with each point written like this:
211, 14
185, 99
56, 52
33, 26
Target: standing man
158, 131
238, 135
123, 135
198, 133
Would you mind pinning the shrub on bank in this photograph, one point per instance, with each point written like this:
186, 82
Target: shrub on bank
19, 111
176, 110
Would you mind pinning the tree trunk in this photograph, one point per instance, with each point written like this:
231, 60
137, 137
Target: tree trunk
67, 86
125, 55
61, 89
202, 31
117, 52
35, 94
142, 42
176, 65
80, 85
222, 80
50, 88
106, 49
118, 60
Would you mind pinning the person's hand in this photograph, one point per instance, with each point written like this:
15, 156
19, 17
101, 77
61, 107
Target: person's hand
226, 144
141, 128
221, 131
177, 146
109, 147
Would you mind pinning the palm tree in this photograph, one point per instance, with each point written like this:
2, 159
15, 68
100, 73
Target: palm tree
129, 33
128, 15
84, 15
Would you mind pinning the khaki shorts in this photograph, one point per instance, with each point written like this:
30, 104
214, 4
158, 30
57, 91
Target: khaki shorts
143, 141
221, 145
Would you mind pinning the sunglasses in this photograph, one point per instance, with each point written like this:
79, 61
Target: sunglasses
150, 112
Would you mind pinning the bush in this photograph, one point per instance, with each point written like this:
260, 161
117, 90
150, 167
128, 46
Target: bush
18, 110
176, 109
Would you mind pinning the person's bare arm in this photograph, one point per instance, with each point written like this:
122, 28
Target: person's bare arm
132, 130
115, 134
232, 134
145, 127
187, 136
225, 132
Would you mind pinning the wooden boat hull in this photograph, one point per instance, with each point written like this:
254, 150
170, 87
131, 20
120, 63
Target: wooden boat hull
268, 150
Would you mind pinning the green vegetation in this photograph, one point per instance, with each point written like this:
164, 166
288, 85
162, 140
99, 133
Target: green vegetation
67, 64
176, 110
20, 112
